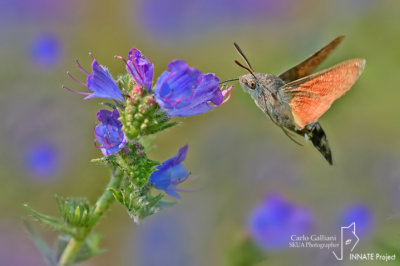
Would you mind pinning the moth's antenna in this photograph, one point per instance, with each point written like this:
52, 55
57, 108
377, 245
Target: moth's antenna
228, 80
242, 54
248, 69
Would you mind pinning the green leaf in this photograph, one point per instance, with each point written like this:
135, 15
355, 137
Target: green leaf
161, 126
109, 160
60, 245
125, 82
53, 222
46, 251
117, 195
139, 201
147, 143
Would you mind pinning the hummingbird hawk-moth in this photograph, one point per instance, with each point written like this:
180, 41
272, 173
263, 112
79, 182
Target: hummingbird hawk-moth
295, 100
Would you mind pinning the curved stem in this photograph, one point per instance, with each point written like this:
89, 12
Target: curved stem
101, 206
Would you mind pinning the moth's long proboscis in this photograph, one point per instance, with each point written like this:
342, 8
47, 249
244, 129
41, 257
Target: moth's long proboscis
222, 82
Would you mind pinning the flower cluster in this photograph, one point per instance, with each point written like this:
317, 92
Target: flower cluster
136, 109
142, 109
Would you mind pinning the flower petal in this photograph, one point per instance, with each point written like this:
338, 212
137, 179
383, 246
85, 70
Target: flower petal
109, 132
101, 83
141, 68
171, 173
208, 88
177, 65
185, 91
191, 110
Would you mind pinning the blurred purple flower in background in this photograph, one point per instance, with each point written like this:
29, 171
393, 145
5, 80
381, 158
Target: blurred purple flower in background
109, 132
45, 51
22, 11
171, 173
99, 82
162, 240
185, 91
359, 214
42, 160
272, 223
140, 67
171, 19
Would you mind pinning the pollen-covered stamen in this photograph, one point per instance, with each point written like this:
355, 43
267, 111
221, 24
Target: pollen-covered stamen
124, 60
137, 71
92, 56
228, 93
81, 68
74, 91
76, 80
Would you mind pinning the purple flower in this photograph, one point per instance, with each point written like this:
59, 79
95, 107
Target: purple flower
140, 68
45, 51
174, 20
109, 132
359, 214
171, 173
43, 160
163, 240
275, 220
99, 82
185, 91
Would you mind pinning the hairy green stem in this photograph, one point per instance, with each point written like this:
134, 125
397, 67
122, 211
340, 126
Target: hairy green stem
101, 206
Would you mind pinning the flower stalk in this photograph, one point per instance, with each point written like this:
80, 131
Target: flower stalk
101, 206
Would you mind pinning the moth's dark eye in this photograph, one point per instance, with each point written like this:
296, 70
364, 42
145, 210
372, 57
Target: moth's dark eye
252, 84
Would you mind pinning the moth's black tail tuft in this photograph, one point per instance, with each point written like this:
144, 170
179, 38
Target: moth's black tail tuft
318, 138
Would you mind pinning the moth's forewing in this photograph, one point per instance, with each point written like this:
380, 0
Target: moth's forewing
308, 65
311, 96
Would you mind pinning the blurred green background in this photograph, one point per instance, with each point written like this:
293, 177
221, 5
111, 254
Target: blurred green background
236, 154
